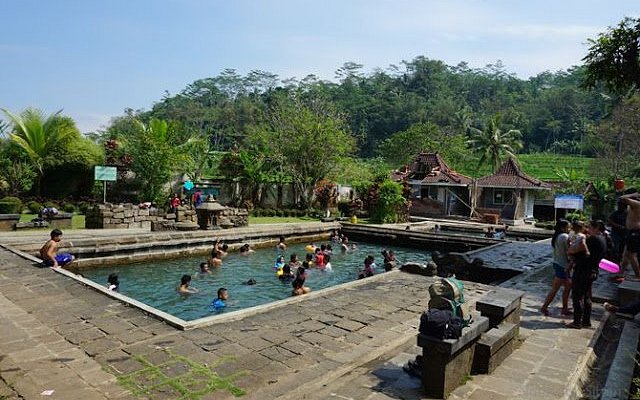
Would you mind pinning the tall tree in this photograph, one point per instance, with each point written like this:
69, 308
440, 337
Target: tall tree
493, 143
614, 58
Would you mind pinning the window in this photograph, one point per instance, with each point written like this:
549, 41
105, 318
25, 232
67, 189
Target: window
502, 196
429, 192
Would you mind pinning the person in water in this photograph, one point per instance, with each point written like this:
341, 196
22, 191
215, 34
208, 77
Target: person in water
298, 284
245, 250
219, 302
204, 268
319, 258
49, 251
112, 282
327, 263
279, 262
282, 246
216, 259
184, 285
369, 268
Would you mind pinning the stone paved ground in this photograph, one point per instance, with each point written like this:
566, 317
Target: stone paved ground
50, 323
57, 334
545, 366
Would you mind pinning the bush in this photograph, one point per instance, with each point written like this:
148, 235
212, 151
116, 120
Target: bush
10, 205
49, 204
83, 206
269, 212
34, 207
69, 207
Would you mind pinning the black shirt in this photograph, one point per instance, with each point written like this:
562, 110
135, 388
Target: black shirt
585, 266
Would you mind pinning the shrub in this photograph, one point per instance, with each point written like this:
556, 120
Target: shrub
69, 207
269, 212
10, 205
34, 207
83, 206
50, 204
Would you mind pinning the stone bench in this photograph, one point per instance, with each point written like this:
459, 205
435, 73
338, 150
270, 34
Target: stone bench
8, 221
447, 362
33, 224
60, 221
493, 347
501, 306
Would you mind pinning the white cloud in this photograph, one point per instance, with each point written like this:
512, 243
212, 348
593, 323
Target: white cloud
547, 31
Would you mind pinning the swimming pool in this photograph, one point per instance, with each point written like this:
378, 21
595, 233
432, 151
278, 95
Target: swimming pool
155, 283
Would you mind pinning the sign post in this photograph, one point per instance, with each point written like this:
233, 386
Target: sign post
568, 201
104, 174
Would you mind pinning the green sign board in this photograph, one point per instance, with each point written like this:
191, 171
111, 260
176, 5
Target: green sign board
105, 173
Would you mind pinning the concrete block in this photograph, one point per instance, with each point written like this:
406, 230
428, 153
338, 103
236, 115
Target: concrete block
446, 363
498, 304
493, 347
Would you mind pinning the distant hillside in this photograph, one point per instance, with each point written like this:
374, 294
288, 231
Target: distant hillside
543, 166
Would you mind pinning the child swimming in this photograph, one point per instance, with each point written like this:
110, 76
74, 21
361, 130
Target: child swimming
219, 303
184, 285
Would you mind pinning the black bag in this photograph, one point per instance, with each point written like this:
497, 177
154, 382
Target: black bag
440, 324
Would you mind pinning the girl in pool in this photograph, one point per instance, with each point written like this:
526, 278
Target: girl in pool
369, 268
279, 262
327, 263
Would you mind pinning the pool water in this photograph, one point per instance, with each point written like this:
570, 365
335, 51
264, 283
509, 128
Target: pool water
155, 283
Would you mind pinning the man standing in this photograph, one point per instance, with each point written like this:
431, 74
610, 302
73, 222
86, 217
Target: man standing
617, 221
632, 225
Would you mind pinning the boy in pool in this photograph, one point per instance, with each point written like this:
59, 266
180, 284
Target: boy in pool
184, 285
48, 252
282, 246
219, 303
216, 259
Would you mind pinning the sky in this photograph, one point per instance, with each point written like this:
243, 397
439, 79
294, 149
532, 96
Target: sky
93, 59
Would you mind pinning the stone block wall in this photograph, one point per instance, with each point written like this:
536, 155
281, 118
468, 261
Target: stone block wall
125, 216
233, 218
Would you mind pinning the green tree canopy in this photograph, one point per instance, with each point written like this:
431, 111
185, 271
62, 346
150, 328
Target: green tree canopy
614, 58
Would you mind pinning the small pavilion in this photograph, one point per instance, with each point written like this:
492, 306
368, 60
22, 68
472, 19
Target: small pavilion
509, 192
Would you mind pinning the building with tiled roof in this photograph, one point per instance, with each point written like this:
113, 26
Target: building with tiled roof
508, 192
437, 189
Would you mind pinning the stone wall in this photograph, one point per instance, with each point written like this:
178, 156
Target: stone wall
233, 218
110, 216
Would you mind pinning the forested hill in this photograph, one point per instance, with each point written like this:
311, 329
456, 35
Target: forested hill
551, 110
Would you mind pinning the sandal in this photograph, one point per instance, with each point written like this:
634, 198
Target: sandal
610, 307
567, 311
545, 311
573, 325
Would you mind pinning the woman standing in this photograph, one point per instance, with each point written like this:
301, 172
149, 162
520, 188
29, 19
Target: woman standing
586, 271
559, 242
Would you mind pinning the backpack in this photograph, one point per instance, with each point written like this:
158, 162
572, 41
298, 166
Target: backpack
440, 324
448, 294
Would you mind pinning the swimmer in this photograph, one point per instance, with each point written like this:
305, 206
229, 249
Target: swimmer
215, 260
204, 268
112, 282
319, 259
369, 268
298, 284
281, 244
279, 262
245, 250
250, 282
184, 285
219, 302
327, 263
309, 258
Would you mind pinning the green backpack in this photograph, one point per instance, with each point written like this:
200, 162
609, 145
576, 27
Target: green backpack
448, 294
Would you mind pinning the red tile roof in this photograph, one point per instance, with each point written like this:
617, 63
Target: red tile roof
431, 168
509, 175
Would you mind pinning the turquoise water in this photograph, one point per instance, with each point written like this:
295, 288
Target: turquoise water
155, 283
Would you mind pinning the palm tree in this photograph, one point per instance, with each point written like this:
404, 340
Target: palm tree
39, 136
493, 144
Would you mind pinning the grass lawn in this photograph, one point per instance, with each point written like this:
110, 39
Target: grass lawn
77, 221
279, 220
